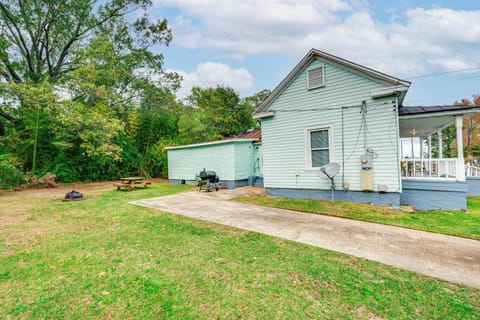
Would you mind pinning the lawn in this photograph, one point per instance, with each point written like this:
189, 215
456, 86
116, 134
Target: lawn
458, 223
104, 258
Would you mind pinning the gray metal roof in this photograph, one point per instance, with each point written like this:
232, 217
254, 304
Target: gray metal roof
416, 110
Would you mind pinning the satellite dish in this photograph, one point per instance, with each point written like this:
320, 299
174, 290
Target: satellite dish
329, 171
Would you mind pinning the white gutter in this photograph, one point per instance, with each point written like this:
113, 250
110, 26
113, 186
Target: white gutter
389, 91
262, 115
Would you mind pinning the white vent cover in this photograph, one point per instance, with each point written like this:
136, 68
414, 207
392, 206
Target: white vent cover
316, 77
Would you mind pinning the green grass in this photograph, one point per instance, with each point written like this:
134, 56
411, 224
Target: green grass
458, 223
103, 258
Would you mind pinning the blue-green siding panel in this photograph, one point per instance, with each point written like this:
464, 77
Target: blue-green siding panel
231, 161
185, 163
283, 135
244, 160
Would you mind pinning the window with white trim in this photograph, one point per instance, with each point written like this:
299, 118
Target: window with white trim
319, 147
315, 77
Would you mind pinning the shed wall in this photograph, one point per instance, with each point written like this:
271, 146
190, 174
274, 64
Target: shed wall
184, 164
232, 161
244, 163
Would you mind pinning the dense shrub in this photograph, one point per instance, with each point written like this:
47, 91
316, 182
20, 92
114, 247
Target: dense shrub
10, 176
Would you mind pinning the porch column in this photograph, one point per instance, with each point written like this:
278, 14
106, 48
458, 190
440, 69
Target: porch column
401, 149
420, 140
460, 161
411, 145
440, 143
429, 138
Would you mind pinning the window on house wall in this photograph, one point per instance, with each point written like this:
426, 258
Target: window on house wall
316, 77
319, 147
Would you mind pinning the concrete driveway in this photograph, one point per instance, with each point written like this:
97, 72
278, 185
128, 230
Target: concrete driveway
445, 257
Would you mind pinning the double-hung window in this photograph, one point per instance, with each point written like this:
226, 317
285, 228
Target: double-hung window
318, 147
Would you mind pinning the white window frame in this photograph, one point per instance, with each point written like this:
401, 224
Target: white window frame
323, 75
308, 149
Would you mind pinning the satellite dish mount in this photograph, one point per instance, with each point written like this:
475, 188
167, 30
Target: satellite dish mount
329, 171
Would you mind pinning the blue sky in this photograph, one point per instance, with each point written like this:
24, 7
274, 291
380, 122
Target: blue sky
251, 45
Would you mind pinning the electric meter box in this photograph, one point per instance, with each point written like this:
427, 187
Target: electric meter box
366, 161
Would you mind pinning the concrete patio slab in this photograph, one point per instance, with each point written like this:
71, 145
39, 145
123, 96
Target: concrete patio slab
446, 257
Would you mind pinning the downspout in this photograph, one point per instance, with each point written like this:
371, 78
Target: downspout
343, 154
399, 173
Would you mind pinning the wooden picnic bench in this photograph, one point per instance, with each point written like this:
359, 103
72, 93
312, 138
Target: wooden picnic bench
129, 183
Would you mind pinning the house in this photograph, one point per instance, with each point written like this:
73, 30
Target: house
237, 161
330, 110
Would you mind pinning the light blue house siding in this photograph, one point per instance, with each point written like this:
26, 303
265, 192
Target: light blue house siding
336, 105
232, 160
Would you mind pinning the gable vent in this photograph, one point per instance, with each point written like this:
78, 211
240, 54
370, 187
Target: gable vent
316, 78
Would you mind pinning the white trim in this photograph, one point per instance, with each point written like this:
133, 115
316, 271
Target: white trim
263, 115
312, 68
209, 143
308, 149
388, 91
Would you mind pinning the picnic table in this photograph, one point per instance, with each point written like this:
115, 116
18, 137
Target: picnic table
129, 183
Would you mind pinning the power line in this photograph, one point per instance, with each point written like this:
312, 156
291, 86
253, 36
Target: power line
330, 108
442, 73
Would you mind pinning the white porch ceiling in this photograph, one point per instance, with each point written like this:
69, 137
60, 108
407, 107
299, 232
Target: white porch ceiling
423, 126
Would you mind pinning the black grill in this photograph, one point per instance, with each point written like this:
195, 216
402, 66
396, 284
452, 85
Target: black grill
208, 180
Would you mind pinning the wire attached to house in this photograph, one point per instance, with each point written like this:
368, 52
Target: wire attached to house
363, 112
443, 73
331, 108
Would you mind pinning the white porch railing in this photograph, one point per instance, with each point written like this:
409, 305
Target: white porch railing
436, 169
472, 171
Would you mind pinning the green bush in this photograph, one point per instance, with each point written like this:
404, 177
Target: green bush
10, 176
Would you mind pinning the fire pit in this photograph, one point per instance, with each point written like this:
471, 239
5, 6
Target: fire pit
73, 195
208, 181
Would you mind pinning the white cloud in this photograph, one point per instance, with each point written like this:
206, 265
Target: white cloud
211, 74
418, 41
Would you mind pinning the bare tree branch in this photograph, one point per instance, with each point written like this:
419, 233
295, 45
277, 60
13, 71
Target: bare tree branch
18, 34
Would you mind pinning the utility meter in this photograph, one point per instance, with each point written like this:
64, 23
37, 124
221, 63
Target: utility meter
366, 161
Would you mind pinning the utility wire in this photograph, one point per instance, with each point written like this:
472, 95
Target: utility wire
443, 73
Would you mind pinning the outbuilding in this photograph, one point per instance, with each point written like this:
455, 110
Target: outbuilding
237, 161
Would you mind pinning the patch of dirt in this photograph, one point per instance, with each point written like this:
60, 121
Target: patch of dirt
407, 209
14, 207
63, 189
251, 191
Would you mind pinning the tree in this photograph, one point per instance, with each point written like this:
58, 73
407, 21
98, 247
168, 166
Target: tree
40, 40
31, 139
223, 114
192, 127
471, 141
257, 99
73, 74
